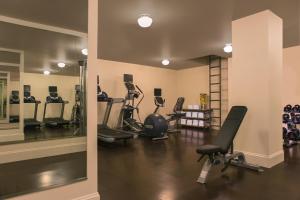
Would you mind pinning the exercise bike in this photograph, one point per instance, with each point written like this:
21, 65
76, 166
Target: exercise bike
177, 113
156, 125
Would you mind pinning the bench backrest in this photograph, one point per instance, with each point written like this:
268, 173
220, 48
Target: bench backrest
230, 127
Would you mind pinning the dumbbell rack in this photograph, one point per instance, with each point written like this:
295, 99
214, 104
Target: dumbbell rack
291, 117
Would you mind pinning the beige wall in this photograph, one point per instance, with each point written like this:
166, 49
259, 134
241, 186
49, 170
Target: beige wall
255, 81
191, 82
39, 88
146, 77
291, 72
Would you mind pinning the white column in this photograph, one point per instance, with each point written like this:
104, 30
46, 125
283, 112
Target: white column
255, 80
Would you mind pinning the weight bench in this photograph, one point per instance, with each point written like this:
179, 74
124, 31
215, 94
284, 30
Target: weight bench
221, 151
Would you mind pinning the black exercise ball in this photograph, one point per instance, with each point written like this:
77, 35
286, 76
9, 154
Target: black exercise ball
155, 126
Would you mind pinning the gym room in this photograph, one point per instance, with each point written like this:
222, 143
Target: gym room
149, 100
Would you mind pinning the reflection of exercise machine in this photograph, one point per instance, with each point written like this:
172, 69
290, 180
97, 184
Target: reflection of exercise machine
221, 151
53, 98
105, 133
14, 100
28, 99
76, 115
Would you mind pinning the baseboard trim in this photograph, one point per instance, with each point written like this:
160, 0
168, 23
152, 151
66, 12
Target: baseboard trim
267, 161
93, 196
33, 150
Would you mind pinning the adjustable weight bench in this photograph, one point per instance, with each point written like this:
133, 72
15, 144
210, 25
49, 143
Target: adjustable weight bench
221, 151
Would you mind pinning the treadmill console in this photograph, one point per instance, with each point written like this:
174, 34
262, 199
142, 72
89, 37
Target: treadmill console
52, 89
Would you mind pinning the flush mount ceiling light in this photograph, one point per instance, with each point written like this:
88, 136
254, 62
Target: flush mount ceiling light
165, 62
61, 65
46, 72
84, 52
228, 48
145, 21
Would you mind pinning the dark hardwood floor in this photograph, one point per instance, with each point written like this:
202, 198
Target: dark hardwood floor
39, 174
160, 170
167, 170
47, 133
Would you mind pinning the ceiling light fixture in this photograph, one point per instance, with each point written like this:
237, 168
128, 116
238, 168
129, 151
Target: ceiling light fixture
228, 48
61, 65
46, 72
145, 21
84, 51
165, 62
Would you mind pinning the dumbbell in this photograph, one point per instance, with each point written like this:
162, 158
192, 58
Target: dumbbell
296, 119
288, 108
296, 108
285, 118
291, 126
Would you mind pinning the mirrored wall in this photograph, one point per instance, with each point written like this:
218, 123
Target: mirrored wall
42, 107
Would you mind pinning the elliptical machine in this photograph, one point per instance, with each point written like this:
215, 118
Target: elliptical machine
154, 127
126, 119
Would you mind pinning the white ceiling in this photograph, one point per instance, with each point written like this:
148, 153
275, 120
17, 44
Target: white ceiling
183, 31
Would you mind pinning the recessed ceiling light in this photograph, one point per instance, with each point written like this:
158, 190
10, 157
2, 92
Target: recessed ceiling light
84, 51
46, 72
165, 62
228, 48
145, 21
61, 65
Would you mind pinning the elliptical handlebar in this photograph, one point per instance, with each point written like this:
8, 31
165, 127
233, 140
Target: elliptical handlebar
139, 89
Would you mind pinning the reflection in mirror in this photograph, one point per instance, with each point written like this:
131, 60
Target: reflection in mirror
42, 104
3, 97
10, 68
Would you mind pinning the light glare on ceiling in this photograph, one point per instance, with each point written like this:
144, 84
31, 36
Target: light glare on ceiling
84, 51
61, 65
165, 62
228, 48
145, 21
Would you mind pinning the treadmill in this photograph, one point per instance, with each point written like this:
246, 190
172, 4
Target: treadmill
105, 133
53, 98
28, 99
14, 100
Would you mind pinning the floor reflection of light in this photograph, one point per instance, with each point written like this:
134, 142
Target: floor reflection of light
166, 195
291, 151
46, 178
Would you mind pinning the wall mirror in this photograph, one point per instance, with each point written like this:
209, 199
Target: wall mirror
43, 63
